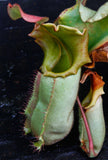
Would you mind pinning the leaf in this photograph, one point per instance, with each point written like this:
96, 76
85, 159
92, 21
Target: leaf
100, 14
15, 12
96, 88
86, 13
65, 49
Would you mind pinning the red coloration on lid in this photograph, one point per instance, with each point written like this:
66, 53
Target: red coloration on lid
25, 16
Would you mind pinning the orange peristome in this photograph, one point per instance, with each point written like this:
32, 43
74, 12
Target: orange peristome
96, 80
99, 55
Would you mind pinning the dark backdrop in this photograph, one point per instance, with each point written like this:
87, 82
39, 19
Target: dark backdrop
20, 57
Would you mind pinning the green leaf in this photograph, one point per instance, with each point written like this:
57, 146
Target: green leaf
100, 14
65, 49
86, 13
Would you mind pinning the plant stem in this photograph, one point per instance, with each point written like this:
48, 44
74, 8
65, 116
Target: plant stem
91, 147
82, 1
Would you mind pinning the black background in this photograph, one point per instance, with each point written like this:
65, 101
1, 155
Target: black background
20, 58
